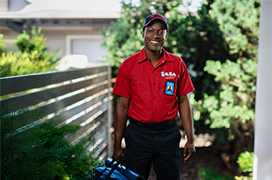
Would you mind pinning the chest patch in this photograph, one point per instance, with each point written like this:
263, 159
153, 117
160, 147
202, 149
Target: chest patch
169, 88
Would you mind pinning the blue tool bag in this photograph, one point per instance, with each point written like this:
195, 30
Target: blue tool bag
116, 171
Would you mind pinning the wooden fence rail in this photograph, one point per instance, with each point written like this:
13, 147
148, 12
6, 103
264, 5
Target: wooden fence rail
79, 97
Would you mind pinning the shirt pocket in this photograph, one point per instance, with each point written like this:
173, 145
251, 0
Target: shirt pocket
168, 97
140, 91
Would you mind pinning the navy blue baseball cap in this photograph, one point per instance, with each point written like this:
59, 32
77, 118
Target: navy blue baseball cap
152, 17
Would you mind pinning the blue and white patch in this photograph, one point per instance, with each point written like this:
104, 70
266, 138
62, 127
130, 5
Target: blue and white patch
169, 88
162, 74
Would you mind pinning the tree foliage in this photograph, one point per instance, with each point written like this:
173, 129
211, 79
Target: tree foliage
219, 45
194, 37
230, 110
232, 105
32, 56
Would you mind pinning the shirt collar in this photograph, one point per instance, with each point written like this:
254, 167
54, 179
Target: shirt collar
165, 56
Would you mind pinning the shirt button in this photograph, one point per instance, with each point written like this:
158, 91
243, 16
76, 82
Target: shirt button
155, 97
154, 84
155, 111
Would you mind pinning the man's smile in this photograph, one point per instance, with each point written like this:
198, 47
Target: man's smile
154, 42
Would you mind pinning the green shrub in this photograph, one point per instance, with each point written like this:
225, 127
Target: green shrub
245, 161
17, 63
2, 44
32, 56
210, 174
42, 153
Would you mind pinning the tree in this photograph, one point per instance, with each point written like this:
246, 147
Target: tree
219, 45
231, 108
31, 57
194, 37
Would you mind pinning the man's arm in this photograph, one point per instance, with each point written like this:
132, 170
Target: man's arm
119, 126
187, 121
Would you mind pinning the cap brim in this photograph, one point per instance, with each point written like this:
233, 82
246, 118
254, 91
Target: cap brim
155, 19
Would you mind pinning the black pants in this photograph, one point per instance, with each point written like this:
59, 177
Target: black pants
144, 146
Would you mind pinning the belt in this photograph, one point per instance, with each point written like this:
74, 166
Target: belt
155, 126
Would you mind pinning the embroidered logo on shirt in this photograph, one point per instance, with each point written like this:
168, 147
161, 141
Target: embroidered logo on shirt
169, 88
162, 74
168, 74
171, 74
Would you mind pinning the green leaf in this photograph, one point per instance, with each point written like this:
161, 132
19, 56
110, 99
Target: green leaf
245, 161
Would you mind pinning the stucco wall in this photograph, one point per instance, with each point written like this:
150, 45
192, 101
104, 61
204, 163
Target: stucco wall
56, 37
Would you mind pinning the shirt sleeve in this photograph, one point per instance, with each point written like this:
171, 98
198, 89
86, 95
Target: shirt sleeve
122, 84
185, 84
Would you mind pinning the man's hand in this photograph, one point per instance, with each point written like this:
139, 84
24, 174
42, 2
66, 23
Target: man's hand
118, 153
189, 151
188, 124
119, 126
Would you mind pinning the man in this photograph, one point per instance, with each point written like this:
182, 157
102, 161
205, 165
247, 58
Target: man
152, 86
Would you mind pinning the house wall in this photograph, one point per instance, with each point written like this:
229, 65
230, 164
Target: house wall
16, 5
75, 40
4, 5
9, 37
58, 37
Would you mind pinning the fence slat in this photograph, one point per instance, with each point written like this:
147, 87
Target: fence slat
25, 82
89, 130
34, 115
59, 105
61, 118
76, 97
90, 113
20, 102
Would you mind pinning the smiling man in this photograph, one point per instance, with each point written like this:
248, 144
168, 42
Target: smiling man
152, 86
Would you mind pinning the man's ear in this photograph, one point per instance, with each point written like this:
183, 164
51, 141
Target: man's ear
143, 33
166, 36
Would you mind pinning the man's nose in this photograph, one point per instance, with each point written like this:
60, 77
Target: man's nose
156, 34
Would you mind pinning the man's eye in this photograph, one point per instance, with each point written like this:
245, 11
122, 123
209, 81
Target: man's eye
150, 31
162, 32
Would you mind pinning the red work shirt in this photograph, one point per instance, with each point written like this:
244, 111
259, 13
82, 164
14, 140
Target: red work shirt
153, 91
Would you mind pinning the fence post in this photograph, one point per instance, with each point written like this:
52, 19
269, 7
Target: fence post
262, 140
109, 111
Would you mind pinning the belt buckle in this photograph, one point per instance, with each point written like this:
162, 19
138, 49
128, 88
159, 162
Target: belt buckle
147, 125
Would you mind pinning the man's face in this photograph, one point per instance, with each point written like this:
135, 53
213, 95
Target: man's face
154, 36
